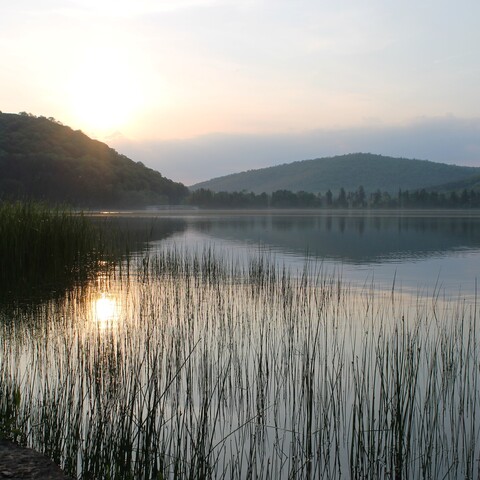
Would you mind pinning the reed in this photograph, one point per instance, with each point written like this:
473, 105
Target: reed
45, 245
211, 368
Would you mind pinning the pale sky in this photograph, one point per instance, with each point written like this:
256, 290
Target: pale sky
306, 78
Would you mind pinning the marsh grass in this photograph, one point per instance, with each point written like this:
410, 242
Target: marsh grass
218, 369
42, 245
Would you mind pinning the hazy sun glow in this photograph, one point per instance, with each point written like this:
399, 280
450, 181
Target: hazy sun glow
203, 88
105, 93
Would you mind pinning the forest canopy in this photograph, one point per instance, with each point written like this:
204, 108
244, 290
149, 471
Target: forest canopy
41, 159
343, 171
359, 198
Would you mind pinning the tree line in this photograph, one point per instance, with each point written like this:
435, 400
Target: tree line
359, 198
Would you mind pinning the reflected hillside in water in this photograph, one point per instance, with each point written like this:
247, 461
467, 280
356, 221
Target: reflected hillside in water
133, 233
356, 239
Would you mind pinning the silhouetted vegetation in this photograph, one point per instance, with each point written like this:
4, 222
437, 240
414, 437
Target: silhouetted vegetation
356, 199
41, 159
206, 368
43, 249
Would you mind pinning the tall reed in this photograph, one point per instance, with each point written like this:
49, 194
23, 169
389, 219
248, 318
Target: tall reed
205, 367
43, 247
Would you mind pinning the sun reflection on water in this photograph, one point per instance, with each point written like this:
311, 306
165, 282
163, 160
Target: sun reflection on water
106, 310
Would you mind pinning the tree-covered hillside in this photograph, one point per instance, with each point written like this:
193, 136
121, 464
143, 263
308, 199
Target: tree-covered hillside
348, 171
469, 183
43, 160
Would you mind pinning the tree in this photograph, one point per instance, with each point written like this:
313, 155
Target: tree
329, 198
361, 197
376, 198
342, 199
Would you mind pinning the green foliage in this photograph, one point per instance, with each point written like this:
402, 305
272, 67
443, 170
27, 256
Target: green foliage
208, 199
44, 246
353, 199
11, 426
41, 159
470, 183
347, 171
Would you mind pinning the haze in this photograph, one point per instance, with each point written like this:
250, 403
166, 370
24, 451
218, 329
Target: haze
201, 88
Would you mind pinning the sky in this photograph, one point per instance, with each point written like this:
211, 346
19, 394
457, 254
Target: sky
202, 88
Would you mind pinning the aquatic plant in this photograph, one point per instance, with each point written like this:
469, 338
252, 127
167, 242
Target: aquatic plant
42, 245
205, 367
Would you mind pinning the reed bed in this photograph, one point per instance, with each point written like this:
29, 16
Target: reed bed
43, 244
188, 365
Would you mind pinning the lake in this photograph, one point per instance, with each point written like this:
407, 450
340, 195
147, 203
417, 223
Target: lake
418, 251
258, 345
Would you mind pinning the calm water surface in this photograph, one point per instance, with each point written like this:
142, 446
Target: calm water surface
210, 360
420, 252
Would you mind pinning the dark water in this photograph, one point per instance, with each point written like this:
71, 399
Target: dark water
424, 252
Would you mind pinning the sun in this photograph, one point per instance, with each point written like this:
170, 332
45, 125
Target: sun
105, 92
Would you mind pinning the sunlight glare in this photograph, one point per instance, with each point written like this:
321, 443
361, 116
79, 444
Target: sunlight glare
105, 311
105, 92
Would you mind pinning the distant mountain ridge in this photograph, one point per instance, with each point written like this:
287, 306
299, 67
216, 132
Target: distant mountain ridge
41, 159
350, 171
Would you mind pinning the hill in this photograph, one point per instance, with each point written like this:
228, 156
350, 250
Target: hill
348, 171
470, 183
41, 159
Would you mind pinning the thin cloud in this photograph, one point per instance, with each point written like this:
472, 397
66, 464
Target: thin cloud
443, 139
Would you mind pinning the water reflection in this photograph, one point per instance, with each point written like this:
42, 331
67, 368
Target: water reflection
419, 250
105, 311
243, 360
357, 239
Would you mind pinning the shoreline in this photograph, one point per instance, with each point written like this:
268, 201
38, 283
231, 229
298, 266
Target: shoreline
17, 462
365, 212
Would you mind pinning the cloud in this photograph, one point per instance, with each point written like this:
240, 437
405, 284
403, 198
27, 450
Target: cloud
444, 139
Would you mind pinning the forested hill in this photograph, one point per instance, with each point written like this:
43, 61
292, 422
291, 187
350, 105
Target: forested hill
43, 160
373, 172
470, 183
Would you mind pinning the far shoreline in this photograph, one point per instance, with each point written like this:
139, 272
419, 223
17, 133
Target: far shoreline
275, 212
